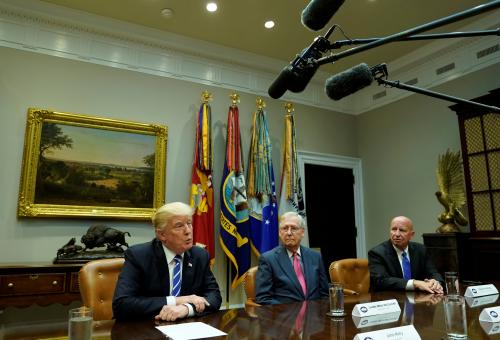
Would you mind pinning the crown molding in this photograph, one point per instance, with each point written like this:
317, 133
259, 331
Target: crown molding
44, 28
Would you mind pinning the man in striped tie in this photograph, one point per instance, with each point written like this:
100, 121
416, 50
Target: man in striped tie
290, 272
398, 264
167, 278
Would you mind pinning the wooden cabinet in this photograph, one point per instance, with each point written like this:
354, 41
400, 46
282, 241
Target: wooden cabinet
449, 252
24, 284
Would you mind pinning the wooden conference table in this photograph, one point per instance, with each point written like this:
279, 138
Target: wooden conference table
279, 321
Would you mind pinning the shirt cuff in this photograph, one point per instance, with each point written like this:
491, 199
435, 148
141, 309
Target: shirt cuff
190, 309
171, 300
409, 285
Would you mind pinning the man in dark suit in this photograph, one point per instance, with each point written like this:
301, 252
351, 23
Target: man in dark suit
387, 262
148, 285
290, 272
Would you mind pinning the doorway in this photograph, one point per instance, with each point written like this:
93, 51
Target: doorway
333, 199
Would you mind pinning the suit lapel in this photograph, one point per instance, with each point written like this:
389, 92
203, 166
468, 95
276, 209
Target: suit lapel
392, 255
161, 266
286, 265
187, 272
413, 261
307, 266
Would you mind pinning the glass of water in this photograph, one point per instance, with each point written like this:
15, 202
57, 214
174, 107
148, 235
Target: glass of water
455, 317
336, 293
80, 323
451, 282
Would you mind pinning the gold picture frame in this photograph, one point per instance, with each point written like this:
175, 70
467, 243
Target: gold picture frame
77, 165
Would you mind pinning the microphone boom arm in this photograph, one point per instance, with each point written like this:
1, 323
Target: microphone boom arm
380, 73
340, 43
409, 32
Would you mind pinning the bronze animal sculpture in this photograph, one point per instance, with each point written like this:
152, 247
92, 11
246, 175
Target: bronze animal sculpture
451, 191
101, 235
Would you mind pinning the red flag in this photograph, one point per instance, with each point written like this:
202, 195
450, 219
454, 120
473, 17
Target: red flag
202, 197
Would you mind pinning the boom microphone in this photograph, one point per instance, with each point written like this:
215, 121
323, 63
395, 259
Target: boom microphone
298, 73
348, 82
318, 12
280, 84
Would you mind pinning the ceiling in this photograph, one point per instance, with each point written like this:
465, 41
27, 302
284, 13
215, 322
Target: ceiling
240, 23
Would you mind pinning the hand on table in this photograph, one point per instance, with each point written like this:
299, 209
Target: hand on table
172, 313
198, 302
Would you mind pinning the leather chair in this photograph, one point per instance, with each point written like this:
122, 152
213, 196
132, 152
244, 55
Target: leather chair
97, 285
249, 285
353, 274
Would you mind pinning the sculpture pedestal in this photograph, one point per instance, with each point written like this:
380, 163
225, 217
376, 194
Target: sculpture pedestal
86, 256
448, 252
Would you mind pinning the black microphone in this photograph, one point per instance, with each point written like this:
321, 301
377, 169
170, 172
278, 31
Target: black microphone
298, 73
348, 82
280, 84
318, 12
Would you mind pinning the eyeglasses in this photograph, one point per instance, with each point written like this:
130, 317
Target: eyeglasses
286, 229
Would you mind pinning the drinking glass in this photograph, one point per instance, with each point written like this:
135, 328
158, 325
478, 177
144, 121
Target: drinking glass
336, 292
451, 282
80, 323
455, 317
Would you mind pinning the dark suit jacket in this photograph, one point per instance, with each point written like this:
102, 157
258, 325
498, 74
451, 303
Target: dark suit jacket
144, 282
386, 272
276, 281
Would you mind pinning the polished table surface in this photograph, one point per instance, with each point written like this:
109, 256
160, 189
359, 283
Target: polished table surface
280, 321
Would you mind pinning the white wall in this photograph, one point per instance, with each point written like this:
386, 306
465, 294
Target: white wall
35, 80
399, 145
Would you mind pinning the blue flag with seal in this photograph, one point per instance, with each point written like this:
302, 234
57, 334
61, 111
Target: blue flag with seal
234, 223
261, 187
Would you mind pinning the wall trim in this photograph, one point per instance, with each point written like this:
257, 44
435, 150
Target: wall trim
40, 27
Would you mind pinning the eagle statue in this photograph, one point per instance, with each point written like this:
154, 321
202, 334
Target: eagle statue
451, 193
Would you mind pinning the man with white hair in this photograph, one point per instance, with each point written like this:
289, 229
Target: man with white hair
167, 278
290, 272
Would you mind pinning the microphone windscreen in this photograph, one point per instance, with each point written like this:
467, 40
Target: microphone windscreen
299, 79
318, 12
280, 84
348, 82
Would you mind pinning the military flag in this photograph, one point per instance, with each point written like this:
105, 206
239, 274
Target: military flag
291, 197
261, 187
202, 196
234, 223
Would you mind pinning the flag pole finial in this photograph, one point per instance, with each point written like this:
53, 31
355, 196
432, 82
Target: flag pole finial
235, 98
289, 107
206, 97
261, 104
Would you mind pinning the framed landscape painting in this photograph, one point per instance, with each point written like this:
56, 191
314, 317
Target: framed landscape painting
82, 166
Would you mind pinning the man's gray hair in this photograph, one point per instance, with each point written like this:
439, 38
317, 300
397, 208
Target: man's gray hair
289, 214
169, 210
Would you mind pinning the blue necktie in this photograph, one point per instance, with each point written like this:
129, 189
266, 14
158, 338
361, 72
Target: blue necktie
406, 267
176, 278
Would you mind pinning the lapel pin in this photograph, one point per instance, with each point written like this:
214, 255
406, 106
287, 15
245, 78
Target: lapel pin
190, 264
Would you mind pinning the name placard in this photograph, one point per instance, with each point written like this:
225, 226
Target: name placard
491, 314
373, 320
481, 300
376, 308
490, 327
481, 290
398, 333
